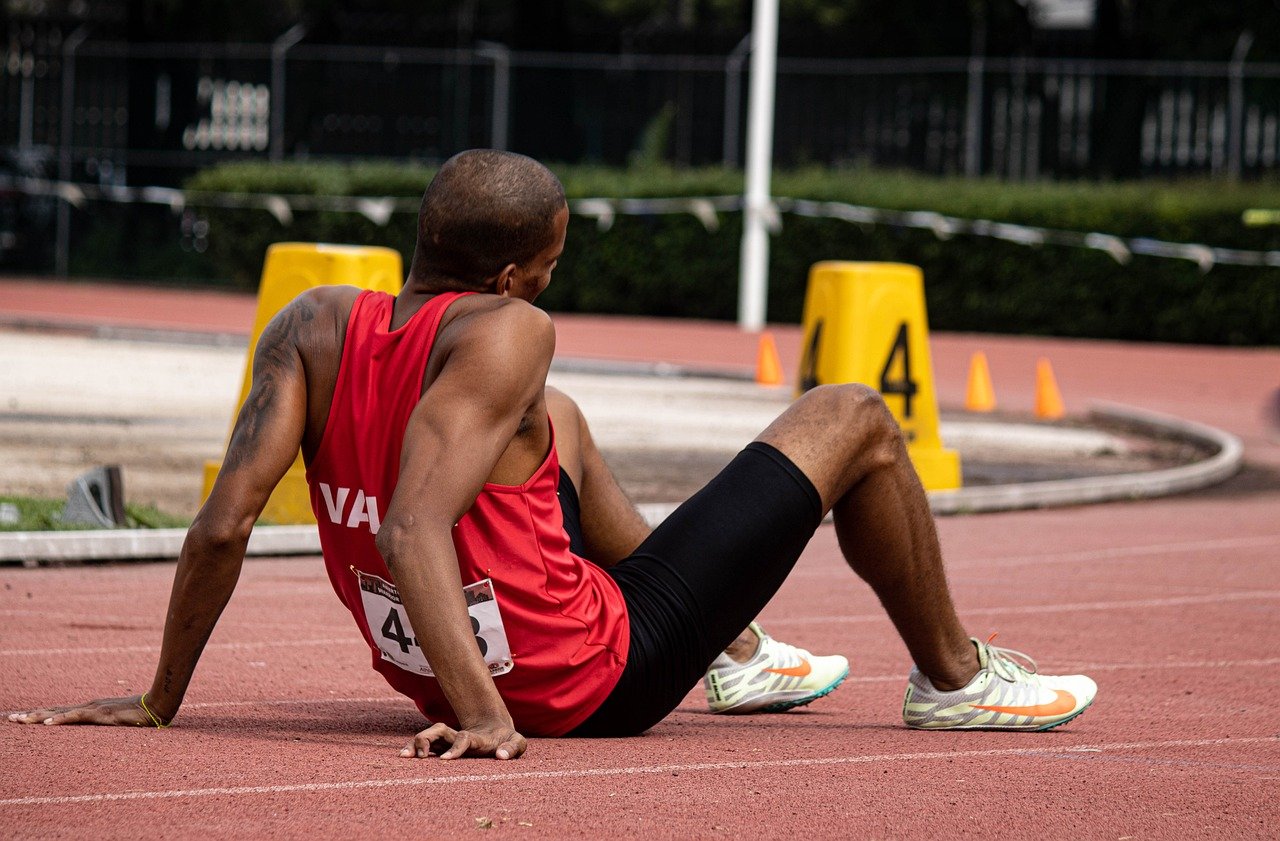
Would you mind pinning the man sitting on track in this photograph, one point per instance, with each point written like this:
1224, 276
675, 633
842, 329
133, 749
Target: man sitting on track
432, 447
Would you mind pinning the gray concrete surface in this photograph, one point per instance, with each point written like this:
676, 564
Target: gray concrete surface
158, 409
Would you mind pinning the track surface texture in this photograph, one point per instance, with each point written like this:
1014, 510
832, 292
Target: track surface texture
1171, 605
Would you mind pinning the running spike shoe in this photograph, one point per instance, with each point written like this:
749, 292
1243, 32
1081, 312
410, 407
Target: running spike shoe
1005, 694
778, 677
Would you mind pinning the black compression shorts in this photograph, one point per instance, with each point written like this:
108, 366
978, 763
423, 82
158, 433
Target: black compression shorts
699, 579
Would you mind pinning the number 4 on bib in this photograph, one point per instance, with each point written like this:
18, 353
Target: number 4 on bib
389, 627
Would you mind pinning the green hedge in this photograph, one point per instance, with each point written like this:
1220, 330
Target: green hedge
672, 266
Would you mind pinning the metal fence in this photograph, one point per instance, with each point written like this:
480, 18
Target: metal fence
116, 113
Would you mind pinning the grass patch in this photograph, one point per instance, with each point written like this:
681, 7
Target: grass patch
35, 514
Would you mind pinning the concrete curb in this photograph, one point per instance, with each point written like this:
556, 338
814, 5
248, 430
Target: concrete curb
158, 335
631, 368
1224, 464
32, 548
123, 333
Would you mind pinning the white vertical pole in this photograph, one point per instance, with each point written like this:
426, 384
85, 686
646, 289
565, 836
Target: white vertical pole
1235, 104
62, 234
279, 49
499, 114
753, 269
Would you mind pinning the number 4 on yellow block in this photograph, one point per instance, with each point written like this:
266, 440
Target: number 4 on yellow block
866, 323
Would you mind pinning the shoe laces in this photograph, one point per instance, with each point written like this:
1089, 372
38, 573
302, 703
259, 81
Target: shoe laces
775, 649
1005, 662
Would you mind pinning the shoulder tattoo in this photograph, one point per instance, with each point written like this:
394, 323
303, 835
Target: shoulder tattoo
274, 359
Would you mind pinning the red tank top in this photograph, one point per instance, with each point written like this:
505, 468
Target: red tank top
553, 626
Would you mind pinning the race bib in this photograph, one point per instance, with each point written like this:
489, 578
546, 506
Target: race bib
389, 625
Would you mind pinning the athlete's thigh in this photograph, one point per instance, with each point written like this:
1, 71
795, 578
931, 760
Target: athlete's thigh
727, 550
700, 578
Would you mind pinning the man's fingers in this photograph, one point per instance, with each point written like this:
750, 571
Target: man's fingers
461, 743
32, 717
75, 715
421, 744
455, 744
512, 748
40, 716
89, 714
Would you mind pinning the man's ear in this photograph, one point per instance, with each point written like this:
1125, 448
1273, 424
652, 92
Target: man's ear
505, 280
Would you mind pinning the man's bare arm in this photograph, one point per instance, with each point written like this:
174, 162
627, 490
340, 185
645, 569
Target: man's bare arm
468, 419
263, 444
612, 528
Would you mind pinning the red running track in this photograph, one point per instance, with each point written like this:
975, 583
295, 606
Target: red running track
1172, 605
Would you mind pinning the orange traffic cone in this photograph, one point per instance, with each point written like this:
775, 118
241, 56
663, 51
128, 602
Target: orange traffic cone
1048, 398
768, 366
979, 396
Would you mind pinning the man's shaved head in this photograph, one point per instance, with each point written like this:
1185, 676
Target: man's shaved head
484, 210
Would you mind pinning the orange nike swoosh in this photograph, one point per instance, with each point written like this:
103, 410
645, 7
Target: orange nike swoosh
793, 671
1064, 703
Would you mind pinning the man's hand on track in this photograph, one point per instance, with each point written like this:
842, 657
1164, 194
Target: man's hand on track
499, 741
127, 712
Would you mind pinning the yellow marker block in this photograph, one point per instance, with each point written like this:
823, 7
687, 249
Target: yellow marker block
292, 268
865, 323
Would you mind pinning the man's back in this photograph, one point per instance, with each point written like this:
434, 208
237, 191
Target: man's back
551, 627
316, 325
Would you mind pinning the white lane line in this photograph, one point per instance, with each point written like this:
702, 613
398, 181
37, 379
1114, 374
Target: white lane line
290, 702
1084, 668
1116, 552
1065, 607
80, 616
137, 623
1090, 668
155, 649
247, 590
586, 773
286, 702
1085, 555
1011, 610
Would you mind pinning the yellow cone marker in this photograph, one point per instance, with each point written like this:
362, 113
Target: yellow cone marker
979, 396
865, 323
768, 366
1048, 397
291, 268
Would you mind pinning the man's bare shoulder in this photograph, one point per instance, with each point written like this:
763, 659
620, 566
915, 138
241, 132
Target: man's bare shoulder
327, 301
503, 324
317, 318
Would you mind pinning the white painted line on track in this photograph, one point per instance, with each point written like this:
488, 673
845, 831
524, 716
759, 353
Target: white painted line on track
587, 773
141, 623
290, 702
1119, 552
1089, 668
246, 590
1066, 607
286, 702
1134, 553
1084, 668
133, 649
1011, 610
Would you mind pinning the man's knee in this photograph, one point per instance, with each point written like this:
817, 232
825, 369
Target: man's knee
859, 412
560, 403
565, 414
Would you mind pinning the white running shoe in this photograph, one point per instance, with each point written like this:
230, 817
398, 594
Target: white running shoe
778, 677
1003, 695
